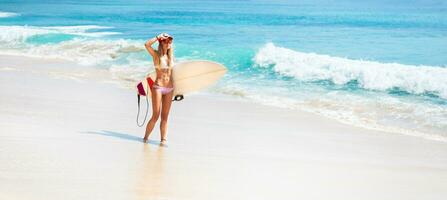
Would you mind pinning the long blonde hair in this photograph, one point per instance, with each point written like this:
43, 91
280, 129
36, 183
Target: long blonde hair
170, 54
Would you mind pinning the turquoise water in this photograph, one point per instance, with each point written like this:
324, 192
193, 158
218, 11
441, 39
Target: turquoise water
378, 64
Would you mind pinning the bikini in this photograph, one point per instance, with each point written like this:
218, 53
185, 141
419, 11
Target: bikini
163, 90
163, 64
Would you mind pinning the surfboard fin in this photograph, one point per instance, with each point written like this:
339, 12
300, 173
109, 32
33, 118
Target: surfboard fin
178, 97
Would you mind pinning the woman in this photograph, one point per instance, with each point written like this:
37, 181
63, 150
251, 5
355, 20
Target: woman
162, 90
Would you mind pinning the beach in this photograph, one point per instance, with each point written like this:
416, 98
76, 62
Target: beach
66, 135
320, 100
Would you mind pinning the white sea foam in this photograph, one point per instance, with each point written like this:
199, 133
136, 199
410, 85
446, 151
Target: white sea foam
82, 30
383, 113
409, 115
87, 50
368, 74
17, 35
7, 14
125, 59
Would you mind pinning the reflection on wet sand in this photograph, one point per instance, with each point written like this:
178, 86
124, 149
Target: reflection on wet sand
150, 181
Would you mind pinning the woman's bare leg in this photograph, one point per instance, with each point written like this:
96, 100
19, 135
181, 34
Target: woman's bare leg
156, 100
165, 107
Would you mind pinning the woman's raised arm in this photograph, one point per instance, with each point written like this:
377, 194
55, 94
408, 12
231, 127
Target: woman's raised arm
148, 46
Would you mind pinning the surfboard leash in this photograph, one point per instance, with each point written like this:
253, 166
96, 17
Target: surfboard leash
147, 110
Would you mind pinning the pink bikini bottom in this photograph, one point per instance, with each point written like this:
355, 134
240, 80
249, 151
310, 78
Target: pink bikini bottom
163, 90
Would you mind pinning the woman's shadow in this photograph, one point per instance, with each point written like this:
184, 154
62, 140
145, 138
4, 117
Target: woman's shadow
122, 136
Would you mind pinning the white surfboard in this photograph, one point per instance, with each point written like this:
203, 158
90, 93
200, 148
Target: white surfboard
187, 77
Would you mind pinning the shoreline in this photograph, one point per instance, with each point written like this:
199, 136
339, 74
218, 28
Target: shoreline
81, 73
71, 138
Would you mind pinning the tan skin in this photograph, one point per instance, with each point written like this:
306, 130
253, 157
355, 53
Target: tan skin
159, 100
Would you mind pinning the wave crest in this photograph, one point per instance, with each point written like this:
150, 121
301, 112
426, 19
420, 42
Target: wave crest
8, 14
13, 35
87, 49
368, 74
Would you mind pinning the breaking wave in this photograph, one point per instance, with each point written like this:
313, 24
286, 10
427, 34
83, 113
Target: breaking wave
367, 74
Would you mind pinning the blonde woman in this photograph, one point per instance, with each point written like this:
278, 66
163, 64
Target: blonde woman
162, 89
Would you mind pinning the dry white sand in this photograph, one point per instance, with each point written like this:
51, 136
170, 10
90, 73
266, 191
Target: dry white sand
65, 133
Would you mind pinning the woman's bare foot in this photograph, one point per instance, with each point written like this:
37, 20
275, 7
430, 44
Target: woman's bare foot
163, 142
146, 135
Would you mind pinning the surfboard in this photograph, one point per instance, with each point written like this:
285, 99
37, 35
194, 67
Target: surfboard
187, 77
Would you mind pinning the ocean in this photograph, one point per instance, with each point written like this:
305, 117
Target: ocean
376, 64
